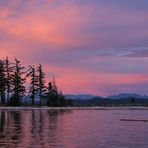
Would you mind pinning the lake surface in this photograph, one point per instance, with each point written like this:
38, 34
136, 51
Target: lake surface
73, 129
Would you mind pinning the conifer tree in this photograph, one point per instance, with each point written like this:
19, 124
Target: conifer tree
54, 87
8, 77
55, 98
62, 101
33, 89
42, 87
50, 95
2, 82
18, 84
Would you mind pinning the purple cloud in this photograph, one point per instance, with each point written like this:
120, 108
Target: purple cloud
80, 38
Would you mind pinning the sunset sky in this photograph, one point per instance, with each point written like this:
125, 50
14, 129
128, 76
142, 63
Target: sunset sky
90, 46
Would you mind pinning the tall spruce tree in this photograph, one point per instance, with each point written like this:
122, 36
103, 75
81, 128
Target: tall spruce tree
2, 82
18, 84
42, 87
8, 78
33, 89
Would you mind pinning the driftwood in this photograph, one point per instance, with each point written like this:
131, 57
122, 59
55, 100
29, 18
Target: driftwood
134, 120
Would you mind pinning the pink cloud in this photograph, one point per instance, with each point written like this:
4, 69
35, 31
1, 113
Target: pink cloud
69, 24
65, 35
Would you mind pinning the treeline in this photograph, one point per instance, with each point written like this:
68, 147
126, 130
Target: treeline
99, 101
13, 90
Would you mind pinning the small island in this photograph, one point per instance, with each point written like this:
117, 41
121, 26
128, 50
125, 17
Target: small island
14, 79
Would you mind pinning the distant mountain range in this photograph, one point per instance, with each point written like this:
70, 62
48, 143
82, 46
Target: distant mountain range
80, 97
123, 99
115, 100
119, 96
127, 95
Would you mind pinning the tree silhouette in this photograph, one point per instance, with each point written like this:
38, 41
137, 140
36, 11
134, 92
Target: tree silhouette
50, 95
2, 82
55, 97
33, 89
18, 84
42, 87
12, 81
8, 78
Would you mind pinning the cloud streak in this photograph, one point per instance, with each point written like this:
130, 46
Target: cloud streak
131, 52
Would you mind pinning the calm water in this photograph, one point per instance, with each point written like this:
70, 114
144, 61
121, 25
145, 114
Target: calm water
73, 129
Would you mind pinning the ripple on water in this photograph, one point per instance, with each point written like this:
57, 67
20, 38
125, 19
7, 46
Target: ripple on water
73, 129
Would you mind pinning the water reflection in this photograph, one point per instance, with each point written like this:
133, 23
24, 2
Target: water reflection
10, 128
2, 121
35, 128
72, 129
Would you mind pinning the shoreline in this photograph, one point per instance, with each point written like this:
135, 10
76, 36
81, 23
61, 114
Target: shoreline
76, 108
